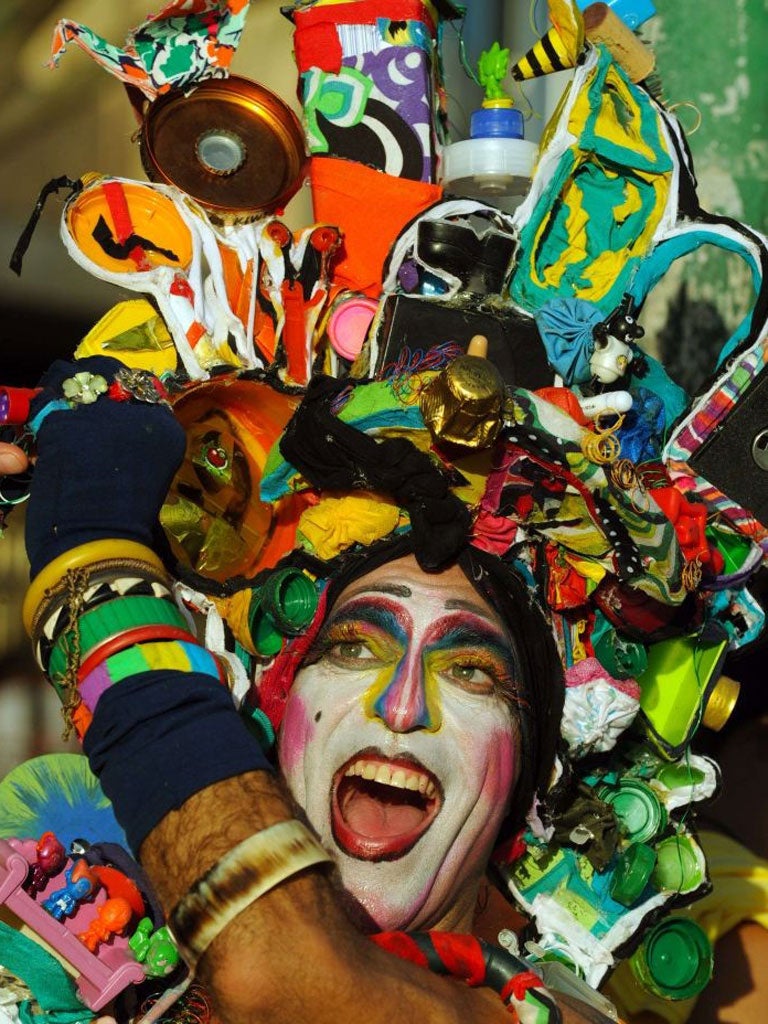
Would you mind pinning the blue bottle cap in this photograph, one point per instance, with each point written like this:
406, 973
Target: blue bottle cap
498, 122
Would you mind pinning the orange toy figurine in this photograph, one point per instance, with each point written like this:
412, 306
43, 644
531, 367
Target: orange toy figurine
112, 918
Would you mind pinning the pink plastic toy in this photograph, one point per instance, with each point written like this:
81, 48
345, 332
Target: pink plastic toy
101, 976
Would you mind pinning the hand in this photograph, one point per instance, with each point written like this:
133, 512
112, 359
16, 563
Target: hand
103, 466
12, 459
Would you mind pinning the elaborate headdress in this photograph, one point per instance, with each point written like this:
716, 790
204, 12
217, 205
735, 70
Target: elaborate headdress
333, 408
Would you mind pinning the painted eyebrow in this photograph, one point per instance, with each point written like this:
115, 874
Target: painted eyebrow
394, 589
395, 618
401, 590
459, 604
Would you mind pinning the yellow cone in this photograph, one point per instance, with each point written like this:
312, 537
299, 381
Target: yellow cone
545, 56
559, 49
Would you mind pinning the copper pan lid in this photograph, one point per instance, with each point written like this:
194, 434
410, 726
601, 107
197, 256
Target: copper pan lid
232, 145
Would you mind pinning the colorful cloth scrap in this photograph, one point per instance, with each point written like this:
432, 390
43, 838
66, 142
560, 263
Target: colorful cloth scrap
187, 42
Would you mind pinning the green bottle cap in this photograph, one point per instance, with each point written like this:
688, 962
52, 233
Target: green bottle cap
289, 598
680, 776
623, 658
639, 811
267, 638
675, 960
679, 866
632, 873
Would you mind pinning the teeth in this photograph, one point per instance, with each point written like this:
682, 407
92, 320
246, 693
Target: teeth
398, 778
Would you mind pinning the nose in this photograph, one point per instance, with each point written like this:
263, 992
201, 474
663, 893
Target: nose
407, 702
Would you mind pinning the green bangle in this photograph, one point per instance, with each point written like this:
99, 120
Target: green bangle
110, 619
83, 588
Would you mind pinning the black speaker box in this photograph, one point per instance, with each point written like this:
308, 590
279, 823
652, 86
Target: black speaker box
735, 457
418, 323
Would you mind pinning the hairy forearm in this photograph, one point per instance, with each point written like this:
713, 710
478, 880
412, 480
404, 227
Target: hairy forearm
293, 955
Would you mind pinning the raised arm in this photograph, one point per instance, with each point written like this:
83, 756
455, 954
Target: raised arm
187, 779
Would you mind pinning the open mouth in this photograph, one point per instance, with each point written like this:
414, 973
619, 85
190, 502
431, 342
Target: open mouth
381, 806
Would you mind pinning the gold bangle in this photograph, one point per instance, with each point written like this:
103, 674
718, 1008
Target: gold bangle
83, 555
246, 873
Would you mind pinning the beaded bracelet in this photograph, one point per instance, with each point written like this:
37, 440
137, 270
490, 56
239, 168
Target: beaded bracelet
247, 872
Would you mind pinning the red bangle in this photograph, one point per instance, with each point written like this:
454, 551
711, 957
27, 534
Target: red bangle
128, 638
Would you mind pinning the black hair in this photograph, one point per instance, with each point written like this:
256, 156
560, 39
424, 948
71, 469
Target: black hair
540, 690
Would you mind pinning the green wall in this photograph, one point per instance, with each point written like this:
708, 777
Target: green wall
712, 59
714, 54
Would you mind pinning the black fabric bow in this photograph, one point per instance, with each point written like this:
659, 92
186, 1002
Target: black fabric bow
334, 456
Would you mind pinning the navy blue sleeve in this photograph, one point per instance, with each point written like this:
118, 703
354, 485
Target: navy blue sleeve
159, 737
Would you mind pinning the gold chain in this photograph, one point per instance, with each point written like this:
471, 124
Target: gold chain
691, 575
75, 581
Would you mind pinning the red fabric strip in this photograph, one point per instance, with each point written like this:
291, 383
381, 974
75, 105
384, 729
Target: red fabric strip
402, 945
118, 208
121, 220
516, 987
317, 46
365, 12
462, 956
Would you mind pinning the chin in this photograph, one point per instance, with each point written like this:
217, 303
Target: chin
383, 900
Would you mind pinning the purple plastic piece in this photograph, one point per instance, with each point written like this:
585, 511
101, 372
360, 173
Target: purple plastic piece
100, 976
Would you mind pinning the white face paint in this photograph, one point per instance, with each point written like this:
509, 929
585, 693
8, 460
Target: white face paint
399, 747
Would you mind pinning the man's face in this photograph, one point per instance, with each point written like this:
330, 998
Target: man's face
398, 745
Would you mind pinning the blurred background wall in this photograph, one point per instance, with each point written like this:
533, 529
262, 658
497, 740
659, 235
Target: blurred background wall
711, 58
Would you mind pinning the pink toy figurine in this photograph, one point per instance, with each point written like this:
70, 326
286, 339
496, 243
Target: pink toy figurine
112, 918
81, 885
51, 858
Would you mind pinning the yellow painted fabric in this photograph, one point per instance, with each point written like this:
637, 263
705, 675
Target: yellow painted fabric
740, 893
337, 523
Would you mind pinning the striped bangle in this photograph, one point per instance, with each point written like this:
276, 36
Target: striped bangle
113, 645
178, 655
67, 684
79, 590
109, 620
247, 872
84, 556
